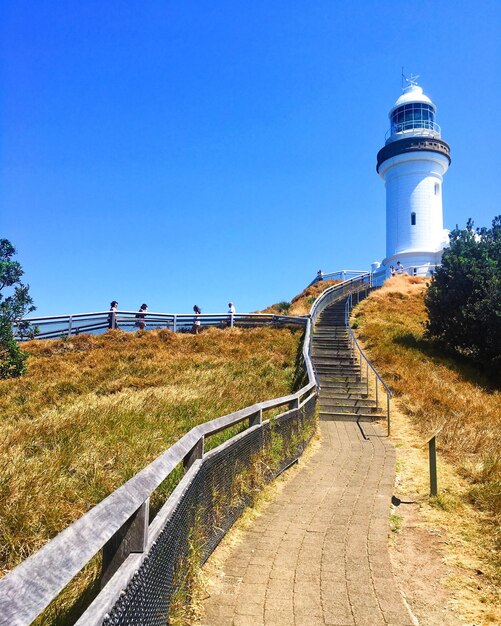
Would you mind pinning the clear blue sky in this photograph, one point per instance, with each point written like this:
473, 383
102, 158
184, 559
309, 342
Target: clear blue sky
195, 152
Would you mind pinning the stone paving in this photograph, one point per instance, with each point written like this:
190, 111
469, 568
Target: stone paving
318, 554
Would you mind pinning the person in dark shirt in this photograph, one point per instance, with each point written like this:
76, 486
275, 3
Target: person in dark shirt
140, 315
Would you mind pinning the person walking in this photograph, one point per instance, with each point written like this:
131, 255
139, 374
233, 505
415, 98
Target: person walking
140, 317
196, 320
231, 311
112, 315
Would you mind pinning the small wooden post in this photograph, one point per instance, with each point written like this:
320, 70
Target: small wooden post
131, 537
432, 447
388, 411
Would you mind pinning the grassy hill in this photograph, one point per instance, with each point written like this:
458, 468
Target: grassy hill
301, 304
440, 392
91, 411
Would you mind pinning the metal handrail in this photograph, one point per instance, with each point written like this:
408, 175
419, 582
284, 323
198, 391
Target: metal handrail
377, 377
412, 128
78, 323
383, 272
336, 292
340, 274
409, 269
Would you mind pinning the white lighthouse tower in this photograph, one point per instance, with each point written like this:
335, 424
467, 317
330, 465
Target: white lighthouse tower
412, 165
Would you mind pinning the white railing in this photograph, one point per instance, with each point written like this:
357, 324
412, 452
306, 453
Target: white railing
56, 326
336, 292
339, 275
414, 129
368, 365
358, 287
381, 274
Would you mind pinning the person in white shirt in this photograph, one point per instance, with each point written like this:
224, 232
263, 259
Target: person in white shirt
231, 311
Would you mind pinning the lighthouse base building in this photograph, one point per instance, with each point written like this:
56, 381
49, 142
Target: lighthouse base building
412, 164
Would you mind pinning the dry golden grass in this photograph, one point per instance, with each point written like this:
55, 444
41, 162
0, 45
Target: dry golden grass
437, 391
93, 410
301, 304
443, 551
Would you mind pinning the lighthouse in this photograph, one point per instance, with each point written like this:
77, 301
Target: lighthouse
412, 164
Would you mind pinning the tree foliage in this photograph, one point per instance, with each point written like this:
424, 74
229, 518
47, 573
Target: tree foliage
464, 298
13, 306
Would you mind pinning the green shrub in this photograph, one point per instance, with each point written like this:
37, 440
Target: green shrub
283, 307
464, 298
12, 307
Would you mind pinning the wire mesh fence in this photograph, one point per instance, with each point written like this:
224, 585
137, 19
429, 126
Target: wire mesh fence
223, 485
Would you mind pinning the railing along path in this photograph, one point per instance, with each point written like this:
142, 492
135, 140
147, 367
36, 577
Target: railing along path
119, 525
368, 365
56, 326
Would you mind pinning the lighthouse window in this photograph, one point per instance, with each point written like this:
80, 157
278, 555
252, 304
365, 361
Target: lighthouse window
437, 189
410, 116
413, 219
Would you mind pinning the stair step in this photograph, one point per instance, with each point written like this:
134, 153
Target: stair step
350, 387
340, 394
346, 417
335, 364
348, 402
349, 410
338, 370
328, 350
326, 379
329, 356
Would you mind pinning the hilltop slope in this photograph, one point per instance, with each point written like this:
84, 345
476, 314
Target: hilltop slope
448, 546
301, 304
93, 410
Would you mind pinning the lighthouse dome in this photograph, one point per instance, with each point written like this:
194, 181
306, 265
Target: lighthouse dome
413, 114
412, 93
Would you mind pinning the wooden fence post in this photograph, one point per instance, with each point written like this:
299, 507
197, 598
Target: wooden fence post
131, 537
256, 419
194, 454
432, 447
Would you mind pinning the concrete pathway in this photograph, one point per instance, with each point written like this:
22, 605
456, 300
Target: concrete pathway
318, 554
